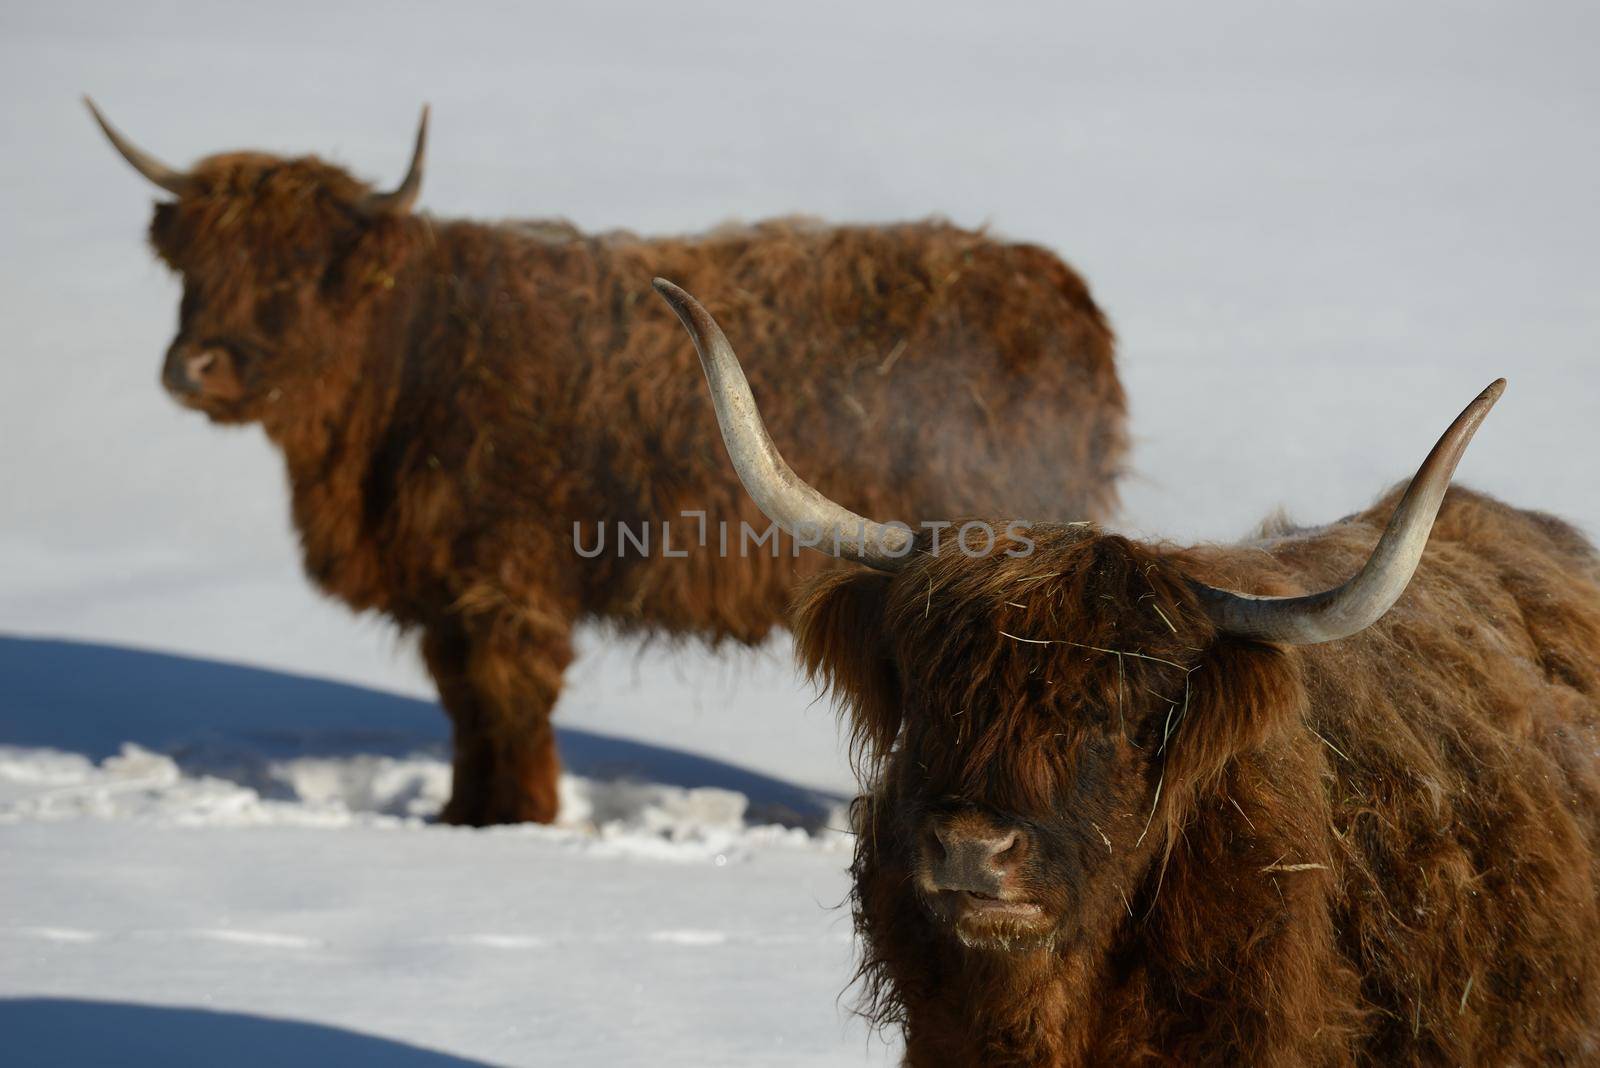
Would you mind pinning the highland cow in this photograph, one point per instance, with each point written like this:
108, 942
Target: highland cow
462, 407
1118, 814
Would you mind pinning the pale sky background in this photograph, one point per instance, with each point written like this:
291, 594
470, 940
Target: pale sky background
1319, 230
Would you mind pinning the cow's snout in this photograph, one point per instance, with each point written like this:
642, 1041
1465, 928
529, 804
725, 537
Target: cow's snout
973, 854
200, 372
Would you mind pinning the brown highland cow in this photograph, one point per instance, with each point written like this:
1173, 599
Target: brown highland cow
1116, 814
460, 406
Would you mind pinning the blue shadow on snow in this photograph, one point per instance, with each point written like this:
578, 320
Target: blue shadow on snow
215, 718
66, 1033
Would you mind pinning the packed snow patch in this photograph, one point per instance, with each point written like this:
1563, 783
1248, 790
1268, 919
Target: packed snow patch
624, 817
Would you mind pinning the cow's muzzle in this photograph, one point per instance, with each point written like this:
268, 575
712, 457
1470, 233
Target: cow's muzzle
972, 877
971, 855
197, 373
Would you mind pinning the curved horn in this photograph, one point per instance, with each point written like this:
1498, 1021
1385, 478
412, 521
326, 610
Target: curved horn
173, 181
405, 194
1362, 601
776, 489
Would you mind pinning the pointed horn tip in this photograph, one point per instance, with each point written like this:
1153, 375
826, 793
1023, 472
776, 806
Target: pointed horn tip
1481, 405
100, 120
700, 323
672, 292
683, 304
94, 110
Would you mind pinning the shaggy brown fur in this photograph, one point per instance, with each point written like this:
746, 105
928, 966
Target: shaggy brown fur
451, 398
1378, 851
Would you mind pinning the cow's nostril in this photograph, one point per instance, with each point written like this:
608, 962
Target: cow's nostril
198, 364
974, 855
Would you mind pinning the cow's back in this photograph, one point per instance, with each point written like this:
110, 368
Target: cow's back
914, 371
911, 372
1461, 739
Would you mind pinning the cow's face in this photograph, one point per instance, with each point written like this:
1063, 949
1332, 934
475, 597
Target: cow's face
1049, 847
1016, 717
278, 257
275, 258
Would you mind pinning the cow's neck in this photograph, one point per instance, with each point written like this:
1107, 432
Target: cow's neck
325, 424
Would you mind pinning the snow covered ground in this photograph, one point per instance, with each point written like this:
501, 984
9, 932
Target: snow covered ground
182, 835
511, 947
1320, 229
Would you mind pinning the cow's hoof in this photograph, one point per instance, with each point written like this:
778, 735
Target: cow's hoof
490, 812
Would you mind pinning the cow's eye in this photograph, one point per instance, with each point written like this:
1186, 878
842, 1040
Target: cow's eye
273, 313
189, 305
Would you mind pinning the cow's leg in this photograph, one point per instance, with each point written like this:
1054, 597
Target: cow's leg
498, 680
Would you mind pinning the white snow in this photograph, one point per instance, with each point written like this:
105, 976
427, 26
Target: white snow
1319, 229
505, 947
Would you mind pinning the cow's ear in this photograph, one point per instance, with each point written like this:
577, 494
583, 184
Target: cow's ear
163, 233
1241, 694
838, 624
